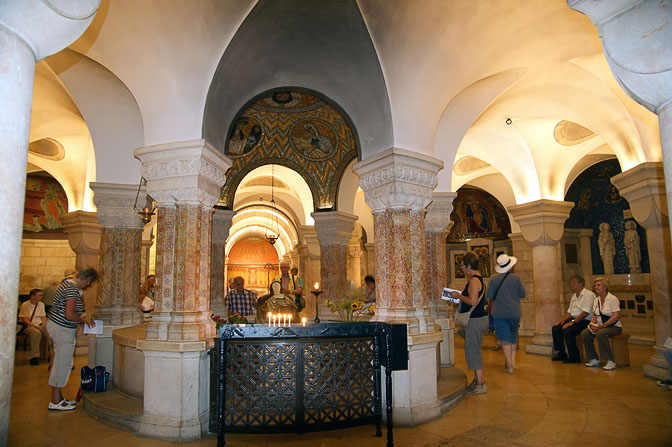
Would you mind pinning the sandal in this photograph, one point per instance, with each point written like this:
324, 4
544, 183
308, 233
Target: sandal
480, 388
497, 348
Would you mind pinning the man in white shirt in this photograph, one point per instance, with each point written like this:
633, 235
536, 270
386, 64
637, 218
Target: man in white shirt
576, 319
32, 314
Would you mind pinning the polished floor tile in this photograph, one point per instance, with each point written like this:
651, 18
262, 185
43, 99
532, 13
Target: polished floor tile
543, 404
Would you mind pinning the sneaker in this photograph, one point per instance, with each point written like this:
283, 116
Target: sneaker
34, 361
592, 363
666, 382
609, 366
62, 406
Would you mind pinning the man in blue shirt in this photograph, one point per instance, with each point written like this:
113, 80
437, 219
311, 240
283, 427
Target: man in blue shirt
239, 300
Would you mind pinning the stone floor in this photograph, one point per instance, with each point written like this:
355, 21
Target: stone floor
543, 404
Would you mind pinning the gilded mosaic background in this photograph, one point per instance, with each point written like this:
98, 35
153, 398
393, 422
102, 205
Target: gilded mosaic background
477, 213
297, 130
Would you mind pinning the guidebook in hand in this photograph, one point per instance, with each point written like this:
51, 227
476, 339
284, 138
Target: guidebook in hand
446, 296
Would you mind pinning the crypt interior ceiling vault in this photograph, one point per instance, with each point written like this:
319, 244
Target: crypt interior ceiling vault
497, 91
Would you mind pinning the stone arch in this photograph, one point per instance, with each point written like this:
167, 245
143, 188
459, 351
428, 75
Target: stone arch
295, 128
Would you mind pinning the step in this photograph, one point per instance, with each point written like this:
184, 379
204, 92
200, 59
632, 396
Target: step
114, 408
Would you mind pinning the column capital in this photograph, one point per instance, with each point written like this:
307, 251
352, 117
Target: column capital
437, 219
114, 203
398, 178
334, 227
635, 36
47, 26
83, 231
542, 221
183, 172
644, 188
221, 224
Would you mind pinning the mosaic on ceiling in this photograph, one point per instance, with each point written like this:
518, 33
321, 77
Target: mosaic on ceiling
477, 214
45, 203
297, 130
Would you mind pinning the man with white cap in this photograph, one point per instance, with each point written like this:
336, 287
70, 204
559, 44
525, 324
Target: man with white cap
506, 290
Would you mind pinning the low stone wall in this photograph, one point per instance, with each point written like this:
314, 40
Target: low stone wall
129, 362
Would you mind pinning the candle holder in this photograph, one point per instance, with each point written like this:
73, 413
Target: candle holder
317, 294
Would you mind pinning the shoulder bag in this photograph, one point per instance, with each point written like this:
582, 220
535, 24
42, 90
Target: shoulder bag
462, 318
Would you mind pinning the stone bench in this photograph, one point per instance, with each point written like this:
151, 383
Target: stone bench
619, 346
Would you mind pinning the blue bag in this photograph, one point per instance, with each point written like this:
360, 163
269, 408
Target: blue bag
94, 379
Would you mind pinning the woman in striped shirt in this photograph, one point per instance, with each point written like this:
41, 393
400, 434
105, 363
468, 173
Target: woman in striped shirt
66, 313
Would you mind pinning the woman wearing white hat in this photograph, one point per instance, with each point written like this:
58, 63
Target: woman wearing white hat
506, 290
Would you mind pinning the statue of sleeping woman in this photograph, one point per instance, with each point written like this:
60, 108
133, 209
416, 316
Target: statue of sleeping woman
277, 303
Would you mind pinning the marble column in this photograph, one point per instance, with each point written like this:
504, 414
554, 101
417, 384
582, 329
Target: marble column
437, 221
644, 188
184, 179
30, 30
398, 186
83, 230
334, 230
636, 36
221, 224
145, 256
354, 262
542, 225
119, 266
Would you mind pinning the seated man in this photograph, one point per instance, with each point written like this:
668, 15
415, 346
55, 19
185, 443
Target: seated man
575, 320
239, 300
32, 314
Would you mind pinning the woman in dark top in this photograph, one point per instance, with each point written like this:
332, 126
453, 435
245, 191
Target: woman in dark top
478, 321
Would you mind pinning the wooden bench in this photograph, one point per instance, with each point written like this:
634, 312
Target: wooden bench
619, 346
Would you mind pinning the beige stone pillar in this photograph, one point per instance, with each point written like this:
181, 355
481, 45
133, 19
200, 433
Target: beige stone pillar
437, 222
644, 188
30, 30
221, 224
184, 179
334, 229
542, 225
354, 262
398, 186
83, 230
119, 266
145, 253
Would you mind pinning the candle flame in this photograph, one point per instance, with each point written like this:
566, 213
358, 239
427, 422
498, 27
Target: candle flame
316, 286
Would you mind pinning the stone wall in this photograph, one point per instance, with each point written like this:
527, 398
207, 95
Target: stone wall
43, 262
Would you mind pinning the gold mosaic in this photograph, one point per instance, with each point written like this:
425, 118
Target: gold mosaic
295, 129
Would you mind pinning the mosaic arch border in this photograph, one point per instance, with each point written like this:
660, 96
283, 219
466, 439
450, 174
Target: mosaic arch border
295, 127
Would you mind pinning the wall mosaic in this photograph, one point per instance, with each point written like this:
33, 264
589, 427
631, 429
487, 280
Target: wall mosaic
597, 201
477, 214
295, 129
45, 203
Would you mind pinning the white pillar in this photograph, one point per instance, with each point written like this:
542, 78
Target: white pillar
30, 30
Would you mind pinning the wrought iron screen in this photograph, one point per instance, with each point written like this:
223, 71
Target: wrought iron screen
325, 376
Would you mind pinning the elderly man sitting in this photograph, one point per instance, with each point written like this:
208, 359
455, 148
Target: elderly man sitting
239, 300
575, 320
32, 314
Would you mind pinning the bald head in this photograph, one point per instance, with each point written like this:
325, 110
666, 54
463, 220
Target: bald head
284, 267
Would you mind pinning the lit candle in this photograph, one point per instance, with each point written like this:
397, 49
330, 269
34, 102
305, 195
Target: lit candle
289, 320
273, 320
284, 320
303, 321
317, 286
269, 319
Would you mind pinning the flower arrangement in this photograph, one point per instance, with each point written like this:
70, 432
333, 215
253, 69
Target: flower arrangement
351, 307
231, 319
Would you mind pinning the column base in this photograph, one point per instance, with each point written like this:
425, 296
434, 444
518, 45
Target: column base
183, 367
443, 317
658, 368
101, 348
415, 399
542, 344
